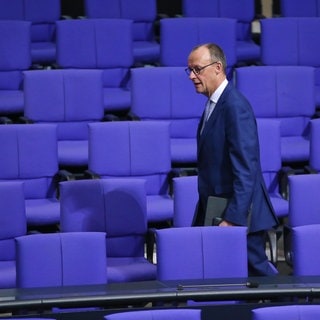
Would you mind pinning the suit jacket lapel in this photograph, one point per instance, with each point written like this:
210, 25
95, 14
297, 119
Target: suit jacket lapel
201, 137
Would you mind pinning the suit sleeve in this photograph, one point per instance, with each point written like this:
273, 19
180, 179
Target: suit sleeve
243, 149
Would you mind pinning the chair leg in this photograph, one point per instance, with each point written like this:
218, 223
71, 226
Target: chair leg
272, 239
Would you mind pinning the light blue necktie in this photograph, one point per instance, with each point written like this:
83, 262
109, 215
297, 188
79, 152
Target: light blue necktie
209, 107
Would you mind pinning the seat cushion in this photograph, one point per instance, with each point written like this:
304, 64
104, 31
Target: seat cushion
130, 269
7, 274
42, 211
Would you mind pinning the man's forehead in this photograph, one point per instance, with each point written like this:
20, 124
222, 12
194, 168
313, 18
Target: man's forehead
199, 55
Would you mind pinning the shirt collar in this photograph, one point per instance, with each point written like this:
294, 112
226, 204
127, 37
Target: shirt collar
216, 95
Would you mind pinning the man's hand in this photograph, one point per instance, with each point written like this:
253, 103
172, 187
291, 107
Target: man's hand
225, 223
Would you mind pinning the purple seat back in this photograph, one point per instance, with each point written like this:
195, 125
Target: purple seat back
143, 14
12, 10
61, 259
270, 152
304, 200
242, 11
94, 44
13, 224
170, 314
293, 8
70, 99
15, 52
204, 246
291, 41
65, 97
114, 206
29, 154
292, 312
295, 43
271, 162
306, 260
314, 160
136, 153
174, 100
185, 190
15, 56
175, 46
42, 15
278, 98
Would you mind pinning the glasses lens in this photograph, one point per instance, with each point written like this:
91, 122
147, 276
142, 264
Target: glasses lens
188, 71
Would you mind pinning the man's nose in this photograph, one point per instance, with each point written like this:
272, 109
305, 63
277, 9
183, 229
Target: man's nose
192, 75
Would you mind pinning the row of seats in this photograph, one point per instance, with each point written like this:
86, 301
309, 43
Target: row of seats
109, 216
117, 149
116, 96
44, 14
113, 211
294, 312
72, 98
126, 149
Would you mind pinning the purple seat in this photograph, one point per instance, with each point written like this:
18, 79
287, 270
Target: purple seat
117, 207
185, 190
200, 253
136, 149
169, 314
176, 46
242, 11
94, 44
273, 174
293, 8
270, 157
61, 259
15, 56
143, 14
314, 159
291, 41
13, 224
42, 14
304, 202
206, 247
292, 312
70, 99
305, 250
173, 100
285, 96
29, 154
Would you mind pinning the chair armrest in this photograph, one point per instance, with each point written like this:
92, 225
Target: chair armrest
62, 175
5, 120
132, 117
150, 244
284, 174
310, 170
110, 117
89, 174
287, 247
180, 172
25, 120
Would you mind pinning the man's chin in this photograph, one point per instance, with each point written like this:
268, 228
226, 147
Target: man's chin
199, 88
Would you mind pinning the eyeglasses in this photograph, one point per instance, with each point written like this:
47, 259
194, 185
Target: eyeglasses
197, 70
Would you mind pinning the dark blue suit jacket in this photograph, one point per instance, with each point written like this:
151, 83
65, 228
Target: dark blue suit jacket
229, 164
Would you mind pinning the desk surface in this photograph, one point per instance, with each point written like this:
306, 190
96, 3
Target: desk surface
134, 293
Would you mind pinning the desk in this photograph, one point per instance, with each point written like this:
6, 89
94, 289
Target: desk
137, 294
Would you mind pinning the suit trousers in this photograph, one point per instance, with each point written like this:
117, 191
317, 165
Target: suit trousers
258, 264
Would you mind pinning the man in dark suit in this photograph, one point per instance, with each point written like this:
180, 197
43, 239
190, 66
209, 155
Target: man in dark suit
229, 157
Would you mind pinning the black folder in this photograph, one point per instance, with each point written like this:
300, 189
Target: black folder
215, 210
